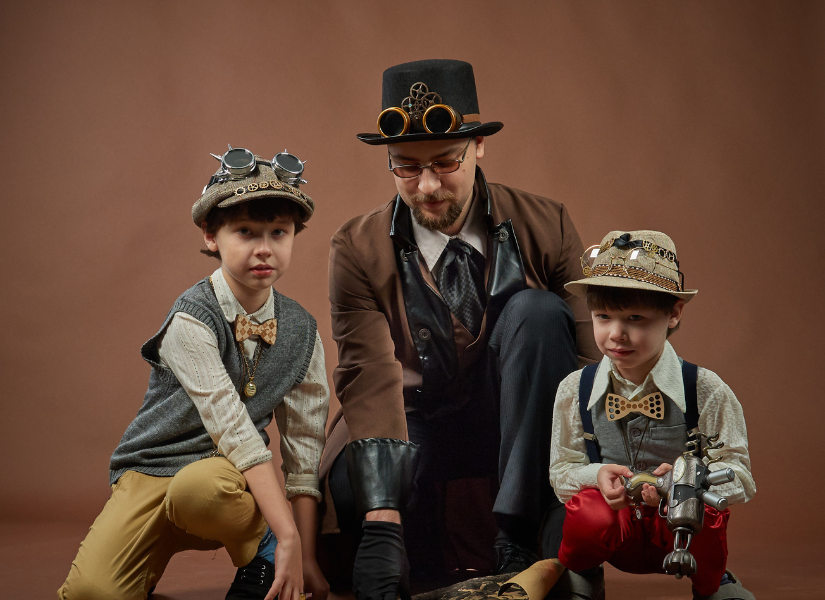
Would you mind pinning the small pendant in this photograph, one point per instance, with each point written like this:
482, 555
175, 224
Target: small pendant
250, 389
638, 513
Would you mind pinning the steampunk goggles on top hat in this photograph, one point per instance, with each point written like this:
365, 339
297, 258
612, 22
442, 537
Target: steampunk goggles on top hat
424, 106
238, 163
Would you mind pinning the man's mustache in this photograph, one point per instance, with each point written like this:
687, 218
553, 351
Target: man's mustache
438, 196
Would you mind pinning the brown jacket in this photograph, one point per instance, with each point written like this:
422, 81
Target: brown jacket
379, 364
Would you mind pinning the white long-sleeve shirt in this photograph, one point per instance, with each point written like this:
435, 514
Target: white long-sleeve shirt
719, 411
190, 349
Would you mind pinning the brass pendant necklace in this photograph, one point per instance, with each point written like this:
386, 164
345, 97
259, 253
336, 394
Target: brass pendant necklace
637, 507
250, 389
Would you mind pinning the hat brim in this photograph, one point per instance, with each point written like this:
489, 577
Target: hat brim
233, 200
307, 207
579, 287
467, 130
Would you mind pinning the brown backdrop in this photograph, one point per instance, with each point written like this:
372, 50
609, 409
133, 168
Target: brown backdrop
702, 119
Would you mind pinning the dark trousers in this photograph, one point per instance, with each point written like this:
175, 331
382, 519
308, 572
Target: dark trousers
504, 432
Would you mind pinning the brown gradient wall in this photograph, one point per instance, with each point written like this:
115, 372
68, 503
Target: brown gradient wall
702, 119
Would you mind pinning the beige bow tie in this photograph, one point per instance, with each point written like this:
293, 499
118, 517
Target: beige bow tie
617, 407
244, 328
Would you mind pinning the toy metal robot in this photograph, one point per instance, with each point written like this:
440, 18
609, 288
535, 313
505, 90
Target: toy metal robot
683, 491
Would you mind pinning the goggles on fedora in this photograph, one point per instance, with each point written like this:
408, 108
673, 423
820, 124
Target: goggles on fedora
639, 262
238, 163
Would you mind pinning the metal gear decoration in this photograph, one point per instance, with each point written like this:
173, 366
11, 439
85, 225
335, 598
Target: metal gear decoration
419, 100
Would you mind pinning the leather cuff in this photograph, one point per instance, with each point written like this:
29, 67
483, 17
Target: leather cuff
381, 472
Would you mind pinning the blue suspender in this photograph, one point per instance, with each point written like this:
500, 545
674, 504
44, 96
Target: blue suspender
690, 374
585, 387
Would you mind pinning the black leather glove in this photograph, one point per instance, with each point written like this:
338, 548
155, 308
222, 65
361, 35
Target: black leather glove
381, 570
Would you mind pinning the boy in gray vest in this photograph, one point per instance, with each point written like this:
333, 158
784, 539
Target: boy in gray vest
192, 470
634, 290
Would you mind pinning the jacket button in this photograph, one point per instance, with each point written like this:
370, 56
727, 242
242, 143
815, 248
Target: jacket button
641, 465
424, 334
635, 432
503, 234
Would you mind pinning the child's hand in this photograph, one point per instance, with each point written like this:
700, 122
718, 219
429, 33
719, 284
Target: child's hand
611, 485
289, 578
314, 580
650, 495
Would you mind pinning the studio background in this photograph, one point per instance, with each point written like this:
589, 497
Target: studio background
701, 119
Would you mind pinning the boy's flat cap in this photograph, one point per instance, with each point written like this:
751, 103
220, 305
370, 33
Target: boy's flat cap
261, 183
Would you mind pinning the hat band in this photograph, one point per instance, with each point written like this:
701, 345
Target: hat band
275, 185
636, 274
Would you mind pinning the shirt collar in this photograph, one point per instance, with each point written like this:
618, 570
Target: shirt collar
231, 308
666, 376
431, 244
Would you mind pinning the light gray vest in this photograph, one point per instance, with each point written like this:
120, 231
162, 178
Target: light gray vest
167, 434
663, 443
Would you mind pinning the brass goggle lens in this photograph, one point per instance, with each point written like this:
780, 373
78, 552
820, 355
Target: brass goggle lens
588, 258
440, 118
393, 121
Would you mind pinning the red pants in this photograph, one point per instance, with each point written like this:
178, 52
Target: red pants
595, 533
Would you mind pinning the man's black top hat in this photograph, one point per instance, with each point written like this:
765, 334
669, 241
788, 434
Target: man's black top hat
416, 86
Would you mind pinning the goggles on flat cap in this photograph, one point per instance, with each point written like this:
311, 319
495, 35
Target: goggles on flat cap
238, 163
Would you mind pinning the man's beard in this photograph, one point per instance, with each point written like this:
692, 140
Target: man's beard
437, 223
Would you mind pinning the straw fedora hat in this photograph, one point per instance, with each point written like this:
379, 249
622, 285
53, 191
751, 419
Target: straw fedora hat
642, 260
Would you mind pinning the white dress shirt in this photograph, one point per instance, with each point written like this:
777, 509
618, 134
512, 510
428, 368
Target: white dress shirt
719, 411
431, 244
190, 349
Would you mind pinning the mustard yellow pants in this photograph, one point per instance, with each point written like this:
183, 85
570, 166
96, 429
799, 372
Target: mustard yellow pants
148, 519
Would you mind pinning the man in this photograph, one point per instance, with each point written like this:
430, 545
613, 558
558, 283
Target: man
454, 331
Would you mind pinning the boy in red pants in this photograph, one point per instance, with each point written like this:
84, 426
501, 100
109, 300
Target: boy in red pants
634, 291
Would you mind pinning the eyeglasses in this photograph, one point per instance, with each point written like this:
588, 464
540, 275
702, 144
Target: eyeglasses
238, 163
439, 167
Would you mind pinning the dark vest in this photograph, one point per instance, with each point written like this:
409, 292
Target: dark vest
167, 434
449, 364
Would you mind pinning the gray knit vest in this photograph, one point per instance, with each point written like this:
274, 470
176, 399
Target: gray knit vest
663, 443
167, 434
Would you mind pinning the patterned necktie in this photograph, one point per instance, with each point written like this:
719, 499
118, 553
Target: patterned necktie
461, 283
618, 407
244, 328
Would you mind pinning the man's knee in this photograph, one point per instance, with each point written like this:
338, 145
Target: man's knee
198, 491
532, 317
537, 308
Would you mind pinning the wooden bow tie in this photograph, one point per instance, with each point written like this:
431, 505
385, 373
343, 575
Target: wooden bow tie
245, 328
617, 407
